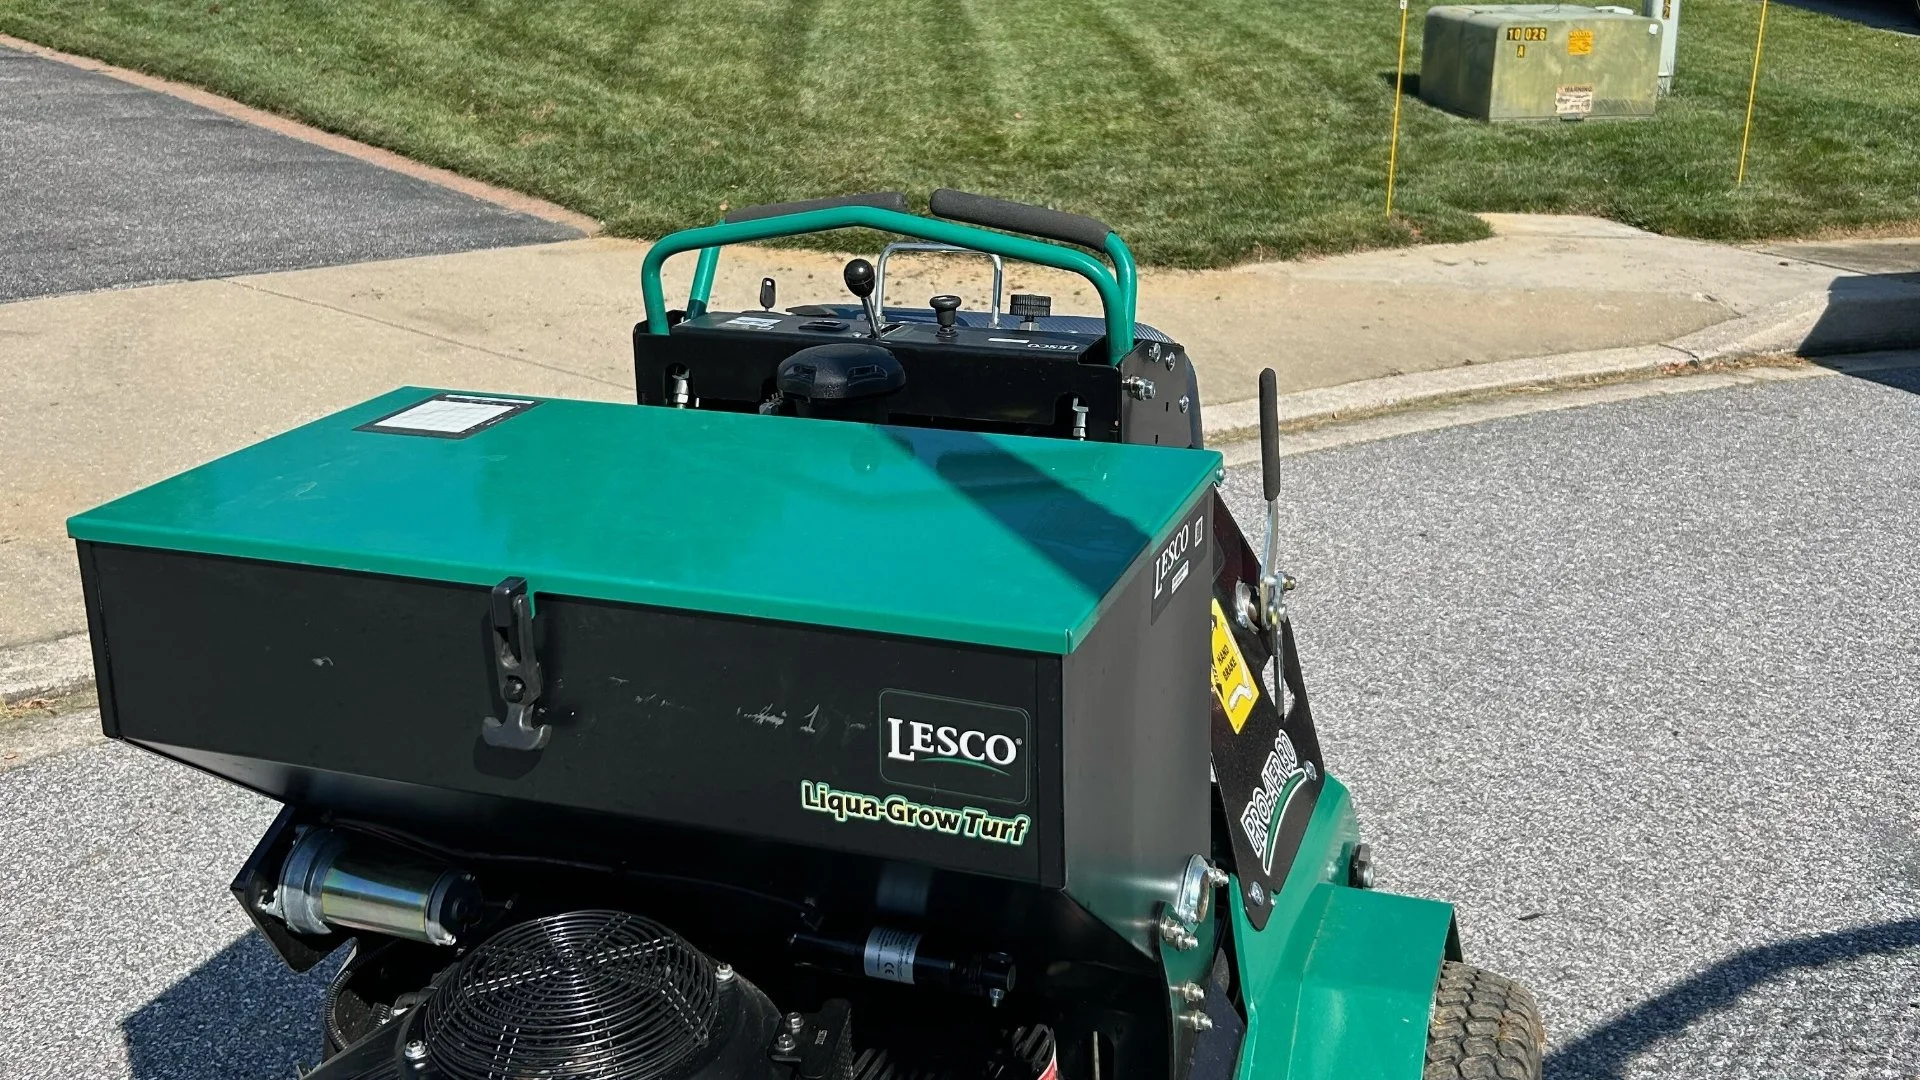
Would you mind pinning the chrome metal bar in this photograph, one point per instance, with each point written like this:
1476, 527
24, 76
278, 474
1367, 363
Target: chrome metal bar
880, 272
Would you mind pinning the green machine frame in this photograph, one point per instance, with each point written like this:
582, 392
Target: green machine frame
1116, 286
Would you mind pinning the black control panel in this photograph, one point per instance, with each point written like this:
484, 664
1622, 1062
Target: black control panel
827, 327
1021, 380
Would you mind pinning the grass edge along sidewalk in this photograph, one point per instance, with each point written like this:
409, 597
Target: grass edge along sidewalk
1207, 135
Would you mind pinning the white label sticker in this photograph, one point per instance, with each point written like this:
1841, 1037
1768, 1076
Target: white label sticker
1573, 100
450, 414
889, 955
752, 322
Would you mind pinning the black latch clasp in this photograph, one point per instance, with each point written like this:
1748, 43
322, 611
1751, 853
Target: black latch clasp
516, 670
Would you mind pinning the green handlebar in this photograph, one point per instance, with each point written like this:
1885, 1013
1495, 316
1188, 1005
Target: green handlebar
1116, 287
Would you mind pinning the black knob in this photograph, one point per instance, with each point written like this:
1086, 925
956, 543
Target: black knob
946, 312
766, 293
859, 278
1030, 306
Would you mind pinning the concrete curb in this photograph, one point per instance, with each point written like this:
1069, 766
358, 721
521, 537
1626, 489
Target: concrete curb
1857, 314
339, 144
55, 668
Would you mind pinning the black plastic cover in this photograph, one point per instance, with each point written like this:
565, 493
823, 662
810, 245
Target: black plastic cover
840, 371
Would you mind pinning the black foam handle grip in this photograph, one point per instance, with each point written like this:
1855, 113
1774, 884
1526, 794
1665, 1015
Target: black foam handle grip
885, 200
1270, 434
1019, 217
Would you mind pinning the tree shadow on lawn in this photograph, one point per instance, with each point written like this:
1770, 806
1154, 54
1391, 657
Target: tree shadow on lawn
1899, 16
1607, 1052
240, 1016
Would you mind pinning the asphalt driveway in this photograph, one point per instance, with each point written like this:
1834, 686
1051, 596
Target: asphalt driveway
104, 184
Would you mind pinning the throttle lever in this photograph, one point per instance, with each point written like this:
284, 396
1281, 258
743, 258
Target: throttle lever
860, 281
1272, 581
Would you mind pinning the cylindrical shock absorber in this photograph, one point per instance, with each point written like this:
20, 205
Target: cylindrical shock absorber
333, 881
904, 956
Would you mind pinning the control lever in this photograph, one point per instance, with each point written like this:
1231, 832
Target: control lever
767, 288
1272, 581
946, 310
859, 278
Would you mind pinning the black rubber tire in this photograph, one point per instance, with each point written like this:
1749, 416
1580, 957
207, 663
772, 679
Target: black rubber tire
1484, 1027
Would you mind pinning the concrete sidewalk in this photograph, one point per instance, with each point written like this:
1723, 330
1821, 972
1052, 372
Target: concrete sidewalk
103, 392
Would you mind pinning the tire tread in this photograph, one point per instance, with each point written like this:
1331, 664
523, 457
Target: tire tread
1484, 1027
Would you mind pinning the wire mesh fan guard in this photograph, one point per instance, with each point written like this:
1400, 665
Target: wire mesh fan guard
588, 995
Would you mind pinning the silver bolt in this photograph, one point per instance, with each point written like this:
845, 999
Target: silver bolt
1191, 993
1196, 1021
415, 1050
796, 1023
1185, 403
1178, 936
1171, 357
1141, 389
723, 973
1217, 877
784, 1043
1256, 894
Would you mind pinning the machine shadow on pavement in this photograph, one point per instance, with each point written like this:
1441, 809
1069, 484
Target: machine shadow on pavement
1607, 1052
241, 1015
1892, 303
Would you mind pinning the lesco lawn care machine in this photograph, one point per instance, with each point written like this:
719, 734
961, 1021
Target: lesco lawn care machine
883, 695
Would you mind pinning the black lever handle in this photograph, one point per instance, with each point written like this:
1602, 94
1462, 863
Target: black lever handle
860, 282
1019, 217
946, 308
885, 200
859, 278
1270, 434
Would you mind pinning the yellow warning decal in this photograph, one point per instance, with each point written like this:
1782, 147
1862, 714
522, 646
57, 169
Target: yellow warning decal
1580, 43
1232, 681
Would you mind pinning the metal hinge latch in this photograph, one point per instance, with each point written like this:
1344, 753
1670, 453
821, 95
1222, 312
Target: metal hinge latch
516, 671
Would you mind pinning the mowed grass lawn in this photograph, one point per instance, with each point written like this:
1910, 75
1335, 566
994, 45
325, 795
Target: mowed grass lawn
1207, 131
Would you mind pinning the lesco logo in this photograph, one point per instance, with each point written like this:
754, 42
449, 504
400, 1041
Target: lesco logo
947, 744
917, 740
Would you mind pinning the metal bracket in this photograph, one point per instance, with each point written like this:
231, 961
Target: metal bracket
516, 671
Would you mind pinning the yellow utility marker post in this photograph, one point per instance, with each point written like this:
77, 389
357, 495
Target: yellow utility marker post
1753, 89
1399, 80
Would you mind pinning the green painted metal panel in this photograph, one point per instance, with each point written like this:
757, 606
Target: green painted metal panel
1116, 287
991, 540
1539, 62
1340, 983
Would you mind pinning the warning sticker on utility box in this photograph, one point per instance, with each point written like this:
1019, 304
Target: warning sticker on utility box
1580, 43
1232, 680
1573, 101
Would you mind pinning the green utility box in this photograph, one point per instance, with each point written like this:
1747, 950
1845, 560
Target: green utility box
1540, 62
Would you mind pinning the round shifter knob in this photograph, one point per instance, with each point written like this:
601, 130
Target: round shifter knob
946, 310
859, 278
